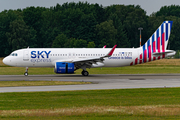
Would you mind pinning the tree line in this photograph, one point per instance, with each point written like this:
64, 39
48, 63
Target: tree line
80, 25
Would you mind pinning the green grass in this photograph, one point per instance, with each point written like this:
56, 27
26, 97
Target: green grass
95, 104
116, 70
38, 83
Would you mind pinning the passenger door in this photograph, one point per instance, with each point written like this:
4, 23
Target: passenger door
26, 55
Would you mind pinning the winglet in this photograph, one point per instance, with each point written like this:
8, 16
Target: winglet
104, 46
111, 52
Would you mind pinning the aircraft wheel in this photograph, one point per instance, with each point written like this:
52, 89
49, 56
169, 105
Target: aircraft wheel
26, 74
85, 73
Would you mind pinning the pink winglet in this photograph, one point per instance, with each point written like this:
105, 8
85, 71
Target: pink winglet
111, 52
104, 46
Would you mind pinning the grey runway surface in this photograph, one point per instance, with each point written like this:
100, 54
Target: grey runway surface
98, 82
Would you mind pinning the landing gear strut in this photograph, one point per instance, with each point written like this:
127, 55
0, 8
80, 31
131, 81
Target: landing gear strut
85, 73
26, 73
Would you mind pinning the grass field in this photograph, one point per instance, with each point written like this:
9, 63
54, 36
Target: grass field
38, 83
95, 104
159, 66
128, 104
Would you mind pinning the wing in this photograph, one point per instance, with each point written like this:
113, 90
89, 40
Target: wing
98, 61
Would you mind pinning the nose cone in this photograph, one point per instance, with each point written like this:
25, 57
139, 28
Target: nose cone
5, 60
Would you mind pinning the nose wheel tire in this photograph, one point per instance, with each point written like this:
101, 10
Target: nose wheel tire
26, 74
85, 73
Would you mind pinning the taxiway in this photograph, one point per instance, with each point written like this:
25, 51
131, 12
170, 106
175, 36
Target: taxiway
116, 81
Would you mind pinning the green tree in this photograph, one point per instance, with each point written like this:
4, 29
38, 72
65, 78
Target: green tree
106, 33
6, 17
172, 10
20, 35
174, 40
135, 19
127, 20
70, 43
59, 41
91, 45
33, 18
121, 37
80, 43
75, 43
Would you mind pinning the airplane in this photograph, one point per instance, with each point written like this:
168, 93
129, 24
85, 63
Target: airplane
67, 60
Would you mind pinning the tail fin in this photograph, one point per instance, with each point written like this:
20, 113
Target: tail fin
155, 47
158, 42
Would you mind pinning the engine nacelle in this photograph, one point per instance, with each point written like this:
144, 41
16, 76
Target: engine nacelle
64, 68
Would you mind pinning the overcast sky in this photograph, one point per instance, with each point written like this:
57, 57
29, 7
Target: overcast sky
149, 6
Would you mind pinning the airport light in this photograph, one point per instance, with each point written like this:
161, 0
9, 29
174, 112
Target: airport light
140, 34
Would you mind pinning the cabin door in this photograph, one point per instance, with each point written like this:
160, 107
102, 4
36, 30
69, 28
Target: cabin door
26, 55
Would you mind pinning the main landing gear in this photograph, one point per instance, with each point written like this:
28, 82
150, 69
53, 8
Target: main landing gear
85, 73
26, 73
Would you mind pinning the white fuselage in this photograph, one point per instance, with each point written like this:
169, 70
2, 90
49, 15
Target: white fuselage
47, 57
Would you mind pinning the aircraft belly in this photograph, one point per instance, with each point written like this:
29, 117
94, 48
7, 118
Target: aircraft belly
117, 63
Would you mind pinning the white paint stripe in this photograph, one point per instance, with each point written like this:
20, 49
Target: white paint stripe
155, 39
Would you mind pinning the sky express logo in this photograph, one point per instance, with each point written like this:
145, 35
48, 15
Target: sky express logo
40, 54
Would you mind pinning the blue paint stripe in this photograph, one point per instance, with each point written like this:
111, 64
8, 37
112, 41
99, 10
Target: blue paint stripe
157, 39
162, 31
166, 31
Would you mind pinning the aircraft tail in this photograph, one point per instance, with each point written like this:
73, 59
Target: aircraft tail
159, 40
155, 47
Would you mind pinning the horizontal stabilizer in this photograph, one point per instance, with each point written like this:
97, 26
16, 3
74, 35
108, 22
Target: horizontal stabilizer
168, 53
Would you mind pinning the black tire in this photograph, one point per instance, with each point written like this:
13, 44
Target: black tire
82, 72
26, 74
85, 73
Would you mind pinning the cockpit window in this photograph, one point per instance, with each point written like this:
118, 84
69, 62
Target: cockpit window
14, 54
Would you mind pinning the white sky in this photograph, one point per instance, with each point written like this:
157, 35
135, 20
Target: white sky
149, 6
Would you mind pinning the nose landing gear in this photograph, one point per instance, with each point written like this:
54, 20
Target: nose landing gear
26, 72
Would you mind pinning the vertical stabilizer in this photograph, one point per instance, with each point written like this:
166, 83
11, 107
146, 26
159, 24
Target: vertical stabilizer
157, 43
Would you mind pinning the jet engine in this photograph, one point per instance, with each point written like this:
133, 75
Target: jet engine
64, 68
